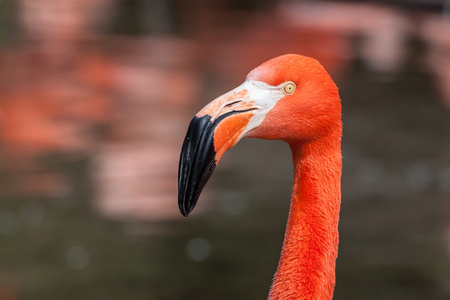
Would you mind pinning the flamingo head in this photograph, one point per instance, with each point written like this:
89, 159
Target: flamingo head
290, 98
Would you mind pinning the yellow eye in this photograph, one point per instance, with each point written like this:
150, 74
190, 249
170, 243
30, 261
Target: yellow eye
289, 88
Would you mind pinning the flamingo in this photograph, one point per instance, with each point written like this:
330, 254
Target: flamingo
290, 98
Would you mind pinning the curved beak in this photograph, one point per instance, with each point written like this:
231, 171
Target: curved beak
215, 129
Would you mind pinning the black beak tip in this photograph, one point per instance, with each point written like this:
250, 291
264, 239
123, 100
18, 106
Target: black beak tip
185, 212
197, 162
185, 206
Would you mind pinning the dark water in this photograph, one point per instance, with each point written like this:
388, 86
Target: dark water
104, 223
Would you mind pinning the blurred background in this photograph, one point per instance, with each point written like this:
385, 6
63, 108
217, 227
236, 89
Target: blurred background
95, 100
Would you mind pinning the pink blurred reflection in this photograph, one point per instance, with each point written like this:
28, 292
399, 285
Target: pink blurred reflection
55, 84
136, 171
55, 94
62, 83
436, 32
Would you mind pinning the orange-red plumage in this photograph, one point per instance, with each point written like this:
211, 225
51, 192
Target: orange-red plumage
309, 120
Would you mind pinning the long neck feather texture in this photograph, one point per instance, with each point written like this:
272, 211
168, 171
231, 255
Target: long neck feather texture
306, 270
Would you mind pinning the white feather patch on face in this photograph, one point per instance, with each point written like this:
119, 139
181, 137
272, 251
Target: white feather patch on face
264, 97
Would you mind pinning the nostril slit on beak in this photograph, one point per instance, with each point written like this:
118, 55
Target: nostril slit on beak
234, 103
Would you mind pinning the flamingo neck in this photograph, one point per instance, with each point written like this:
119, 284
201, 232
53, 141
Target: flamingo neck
306, 269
